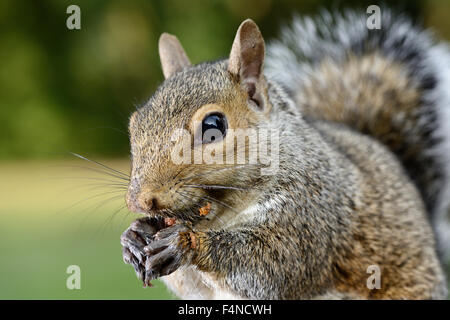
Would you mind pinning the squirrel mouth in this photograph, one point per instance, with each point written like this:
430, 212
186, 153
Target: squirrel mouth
191, 215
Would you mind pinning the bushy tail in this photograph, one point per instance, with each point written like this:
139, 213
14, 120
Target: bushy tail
391, 83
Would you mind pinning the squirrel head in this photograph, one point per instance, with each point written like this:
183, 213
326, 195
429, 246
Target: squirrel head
205, 102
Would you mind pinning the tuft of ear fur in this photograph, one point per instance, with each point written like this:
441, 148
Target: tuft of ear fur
172, 55
246, 60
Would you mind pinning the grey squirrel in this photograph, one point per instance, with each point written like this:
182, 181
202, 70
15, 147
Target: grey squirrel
363, 118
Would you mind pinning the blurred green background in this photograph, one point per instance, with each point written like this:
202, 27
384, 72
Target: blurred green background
72, 90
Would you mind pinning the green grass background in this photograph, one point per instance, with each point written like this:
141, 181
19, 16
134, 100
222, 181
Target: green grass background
46, 224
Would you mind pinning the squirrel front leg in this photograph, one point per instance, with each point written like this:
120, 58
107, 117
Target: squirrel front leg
255, 262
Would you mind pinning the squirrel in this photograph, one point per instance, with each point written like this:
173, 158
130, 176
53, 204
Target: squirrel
363, 177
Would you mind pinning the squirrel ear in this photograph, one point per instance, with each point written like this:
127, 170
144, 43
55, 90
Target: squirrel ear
172, 55
247, 59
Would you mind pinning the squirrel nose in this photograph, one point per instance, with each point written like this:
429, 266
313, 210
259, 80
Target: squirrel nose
148, 202
142, 203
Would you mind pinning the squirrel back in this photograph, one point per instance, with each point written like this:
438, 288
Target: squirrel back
390, 83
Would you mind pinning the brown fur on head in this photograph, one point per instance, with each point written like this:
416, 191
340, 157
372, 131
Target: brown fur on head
235, 88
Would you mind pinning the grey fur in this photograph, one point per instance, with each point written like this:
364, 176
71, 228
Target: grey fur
308, 41
340, 201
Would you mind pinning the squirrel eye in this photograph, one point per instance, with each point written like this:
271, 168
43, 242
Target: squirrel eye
214, 127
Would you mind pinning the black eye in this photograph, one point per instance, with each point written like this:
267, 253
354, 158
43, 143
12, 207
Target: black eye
214, 127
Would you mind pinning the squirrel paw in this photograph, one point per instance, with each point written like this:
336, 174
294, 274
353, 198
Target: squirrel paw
170, 249
135, 238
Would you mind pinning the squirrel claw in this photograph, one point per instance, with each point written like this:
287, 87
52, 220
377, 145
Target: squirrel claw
134, 239
165, 254
153, 248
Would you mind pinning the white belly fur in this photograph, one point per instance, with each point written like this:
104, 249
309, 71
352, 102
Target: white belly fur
190, 283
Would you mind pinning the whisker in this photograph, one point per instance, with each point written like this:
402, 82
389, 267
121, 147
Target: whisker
102, 228
214, 171
105, 202
96, 187
213, 187
88, 187
93, 187
187, 204
221, 203
206, 198
111, 218
91, 178
198, 206
98, 171
125, 215
184, 202
92, 197
100, 164
88, 211
105, 185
